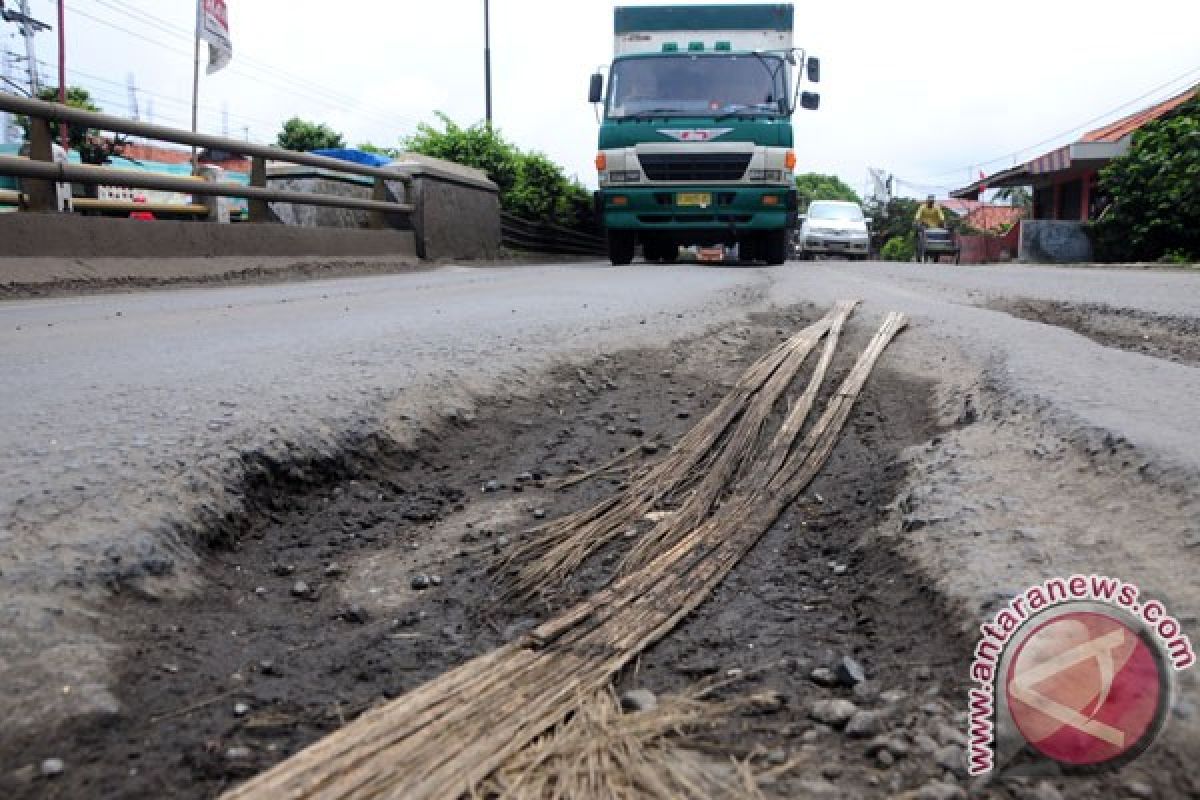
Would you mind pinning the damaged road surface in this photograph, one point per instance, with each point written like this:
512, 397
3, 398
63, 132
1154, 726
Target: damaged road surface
237, 521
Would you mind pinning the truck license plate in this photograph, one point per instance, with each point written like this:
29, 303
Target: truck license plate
699, 199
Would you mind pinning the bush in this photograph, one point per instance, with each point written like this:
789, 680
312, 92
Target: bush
899, 248
531, 186
1156, 192
94, 147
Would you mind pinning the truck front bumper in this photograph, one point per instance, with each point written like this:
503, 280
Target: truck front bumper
658, 208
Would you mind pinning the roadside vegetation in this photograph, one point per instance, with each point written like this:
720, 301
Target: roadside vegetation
532, 186
1155, 214
812, 186
302, 135
93, 148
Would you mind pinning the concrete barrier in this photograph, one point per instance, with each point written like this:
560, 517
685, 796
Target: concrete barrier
322, 181
457, 209
66, 235
1045, 241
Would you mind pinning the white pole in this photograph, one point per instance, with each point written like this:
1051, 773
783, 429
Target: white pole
27, 29
5, 77
195, 86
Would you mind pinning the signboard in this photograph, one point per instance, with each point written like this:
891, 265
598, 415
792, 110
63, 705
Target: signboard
212, 26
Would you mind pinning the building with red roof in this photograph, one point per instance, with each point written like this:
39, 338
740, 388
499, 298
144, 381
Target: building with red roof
1064, 180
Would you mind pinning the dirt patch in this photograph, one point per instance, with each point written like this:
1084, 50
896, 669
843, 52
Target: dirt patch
1172, 338
336, 595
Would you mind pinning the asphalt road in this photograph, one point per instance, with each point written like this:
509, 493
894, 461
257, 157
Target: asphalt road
124, 414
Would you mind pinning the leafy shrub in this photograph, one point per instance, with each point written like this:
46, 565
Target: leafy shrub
531, 186
899, 248
1156, 192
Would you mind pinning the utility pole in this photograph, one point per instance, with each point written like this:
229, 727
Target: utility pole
131, 83
6, 79
487, 61
29, 27
63, 136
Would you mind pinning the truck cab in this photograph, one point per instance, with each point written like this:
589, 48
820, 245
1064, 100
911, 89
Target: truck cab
695, 144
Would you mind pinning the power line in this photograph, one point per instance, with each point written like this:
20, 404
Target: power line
185, 34
1177, 79
265, 74
164, 97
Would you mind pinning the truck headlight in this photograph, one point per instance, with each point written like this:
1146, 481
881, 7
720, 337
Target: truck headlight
624, 176
764, 175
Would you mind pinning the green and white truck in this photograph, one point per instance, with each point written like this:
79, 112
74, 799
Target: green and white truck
696, 144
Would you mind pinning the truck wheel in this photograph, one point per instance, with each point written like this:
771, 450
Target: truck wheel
620, 247
774, 247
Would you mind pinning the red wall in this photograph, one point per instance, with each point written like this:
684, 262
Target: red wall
982, 249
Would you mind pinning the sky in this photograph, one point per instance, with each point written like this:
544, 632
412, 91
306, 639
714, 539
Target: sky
931, 93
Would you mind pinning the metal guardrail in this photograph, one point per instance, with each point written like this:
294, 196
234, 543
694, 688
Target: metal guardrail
520, 234
42, 172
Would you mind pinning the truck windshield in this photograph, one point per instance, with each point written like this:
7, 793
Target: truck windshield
697, 85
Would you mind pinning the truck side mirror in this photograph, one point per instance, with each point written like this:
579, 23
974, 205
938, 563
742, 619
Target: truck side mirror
596, 88
810, 101
813, 66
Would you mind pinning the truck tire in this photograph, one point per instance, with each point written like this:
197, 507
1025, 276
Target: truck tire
620, 247
774, 247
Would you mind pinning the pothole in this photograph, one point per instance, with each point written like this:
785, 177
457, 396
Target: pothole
1170, 338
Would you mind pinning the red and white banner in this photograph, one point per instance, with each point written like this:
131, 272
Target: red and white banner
212, 26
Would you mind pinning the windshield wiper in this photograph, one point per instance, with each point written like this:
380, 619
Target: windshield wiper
651, 112
757, 108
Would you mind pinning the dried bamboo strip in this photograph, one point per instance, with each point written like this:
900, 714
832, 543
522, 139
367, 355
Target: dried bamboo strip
551, 552
739, 449
472, 720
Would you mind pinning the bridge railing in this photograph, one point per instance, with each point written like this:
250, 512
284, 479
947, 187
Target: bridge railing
536, 237
40, 172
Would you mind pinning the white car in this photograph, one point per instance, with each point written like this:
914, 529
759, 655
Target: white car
834, 228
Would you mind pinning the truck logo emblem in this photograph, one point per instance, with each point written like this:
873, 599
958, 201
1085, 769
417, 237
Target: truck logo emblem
694, 134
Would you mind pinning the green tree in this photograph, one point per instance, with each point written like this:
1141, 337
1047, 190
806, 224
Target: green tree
890, 221
1155, 189
77, 97
1016, 196
531, 185
302, 135
815, 186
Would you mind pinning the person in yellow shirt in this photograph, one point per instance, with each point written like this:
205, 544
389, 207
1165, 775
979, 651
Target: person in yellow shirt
930, 215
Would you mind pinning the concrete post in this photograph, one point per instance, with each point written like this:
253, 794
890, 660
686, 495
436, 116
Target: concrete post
218, 207
259, 211
376, 219
42, 195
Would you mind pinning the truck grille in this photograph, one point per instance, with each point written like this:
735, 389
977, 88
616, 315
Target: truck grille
694, 166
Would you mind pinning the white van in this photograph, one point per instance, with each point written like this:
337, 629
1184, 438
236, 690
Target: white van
833, 227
